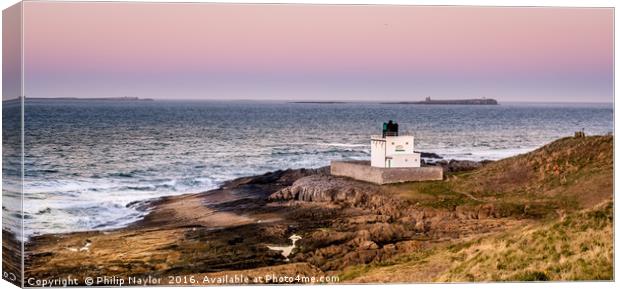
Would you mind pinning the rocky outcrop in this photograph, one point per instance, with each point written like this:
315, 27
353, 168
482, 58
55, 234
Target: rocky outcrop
280, 177
343, 192
378, 225
428, 155
380, 205
453, 166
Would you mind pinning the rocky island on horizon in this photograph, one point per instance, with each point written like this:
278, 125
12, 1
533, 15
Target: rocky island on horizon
473, 101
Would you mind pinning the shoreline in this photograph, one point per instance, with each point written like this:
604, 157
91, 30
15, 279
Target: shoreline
143, 206
342, 223
430, 157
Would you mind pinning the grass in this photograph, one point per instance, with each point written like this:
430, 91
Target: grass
534, 185
566, 186
356, 271
567, 162
579, 247
434, 194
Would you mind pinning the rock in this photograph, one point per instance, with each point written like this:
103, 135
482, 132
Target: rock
330, 251
460, 165
486, 211
345, 192
367, 256
465, 213
389, 247
368, 245
317, 188
363, 234
387, 233
428, 155
280, 177
358, 257
368, 219
420, 226
321, 239
407, 246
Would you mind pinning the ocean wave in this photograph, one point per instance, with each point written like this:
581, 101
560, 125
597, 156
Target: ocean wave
325, 153
480, 153
85, 204
45, 186
343, 145
130, 174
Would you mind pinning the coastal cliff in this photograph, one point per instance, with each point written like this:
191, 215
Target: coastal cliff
467, 227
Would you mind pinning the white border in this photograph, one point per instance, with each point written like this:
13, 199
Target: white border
556, 3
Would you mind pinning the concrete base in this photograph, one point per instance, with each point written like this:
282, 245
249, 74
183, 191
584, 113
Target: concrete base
361, 170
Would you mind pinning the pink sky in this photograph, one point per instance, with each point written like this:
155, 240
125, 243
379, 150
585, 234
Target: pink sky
330, 52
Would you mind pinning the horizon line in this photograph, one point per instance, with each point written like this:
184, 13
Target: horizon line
120, 98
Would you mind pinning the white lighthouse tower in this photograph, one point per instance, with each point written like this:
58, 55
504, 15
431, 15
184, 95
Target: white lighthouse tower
391, 150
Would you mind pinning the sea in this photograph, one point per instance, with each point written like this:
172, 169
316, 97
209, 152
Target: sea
85, 161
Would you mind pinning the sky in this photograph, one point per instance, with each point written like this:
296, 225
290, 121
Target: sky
317, 52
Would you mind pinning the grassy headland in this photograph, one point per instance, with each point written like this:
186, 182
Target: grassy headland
565, 187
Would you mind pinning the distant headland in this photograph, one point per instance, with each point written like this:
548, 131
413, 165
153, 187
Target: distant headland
122, 98
428, 100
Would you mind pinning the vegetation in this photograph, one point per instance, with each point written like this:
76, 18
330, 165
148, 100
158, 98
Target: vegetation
433, 194
564, 189
580, 247
559, 173
564, 176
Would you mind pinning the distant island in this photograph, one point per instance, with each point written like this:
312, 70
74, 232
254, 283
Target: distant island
323, 102
123, 98
428, 100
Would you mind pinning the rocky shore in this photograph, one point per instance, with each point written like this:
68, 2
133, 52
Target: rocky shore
344, 224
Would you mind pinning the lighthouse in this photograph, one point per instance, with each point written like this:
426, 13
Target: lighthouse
392, 160
391, 150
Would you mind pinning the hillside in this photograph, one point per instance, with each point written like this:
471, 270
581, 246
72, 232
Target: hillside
577, 247
566, 175
566, 187
575, 172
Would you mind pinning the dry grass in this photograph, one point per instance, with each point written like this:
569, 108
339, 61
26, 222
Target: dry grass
435, 194
576, 163
567, 175
558, 186
579, 247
